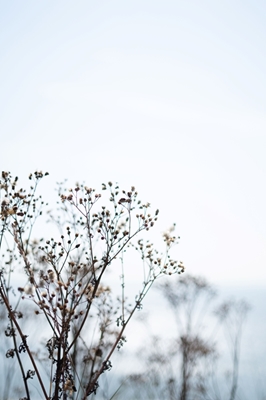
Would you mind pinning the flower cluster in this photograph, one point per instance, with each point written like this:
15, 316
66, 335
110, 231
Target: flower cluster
65, 277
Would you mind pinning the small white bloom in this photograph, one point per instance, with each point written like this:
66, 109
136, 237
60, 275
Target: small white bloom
29, 289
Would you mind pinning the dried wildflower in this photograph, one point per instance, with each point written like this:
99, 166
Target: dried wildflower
51, 275
29, 289
65, 277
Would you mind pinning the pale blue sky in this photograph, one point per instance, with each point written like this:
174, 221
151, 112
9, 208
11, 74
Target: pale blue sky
167, 95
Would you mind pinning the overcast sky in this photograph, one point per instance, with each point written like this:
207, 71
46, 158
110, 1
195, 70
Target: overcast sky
167, 95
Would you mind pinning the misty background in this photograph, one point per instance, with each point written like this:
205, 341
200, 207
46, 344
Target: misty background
167, 96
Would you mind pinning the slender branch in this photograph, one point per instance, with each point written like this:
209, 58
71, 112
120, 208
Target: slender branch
10, 312
20, 362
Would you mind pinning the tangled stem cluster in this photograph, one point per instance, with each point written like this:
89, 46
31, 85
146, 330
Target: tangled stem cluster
64, 279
